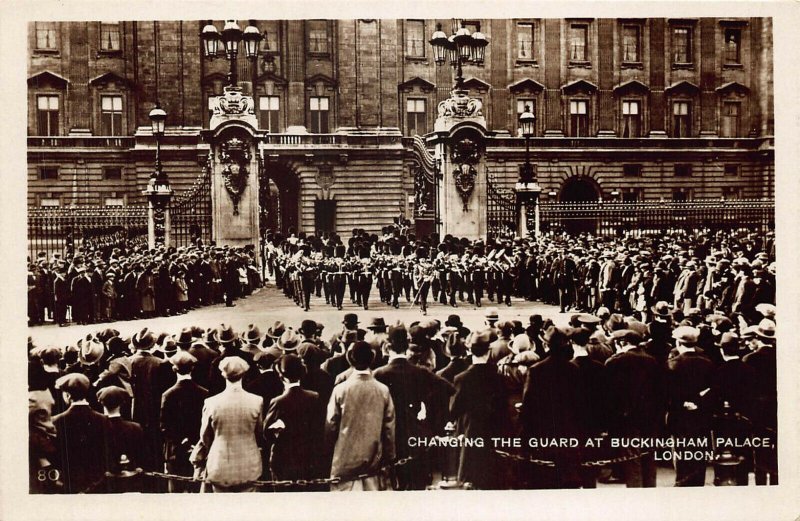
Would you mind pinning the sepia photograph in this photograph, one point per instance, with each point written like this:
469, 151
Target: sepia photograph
310, 254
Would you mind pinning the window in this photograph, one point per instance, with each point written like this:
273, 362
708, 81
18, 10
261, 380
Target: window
682, 45
114, 201
680, 195
46, 36
579, 118
525, 41
733, 40
732, 170
682, 170
415, 38
731, 117
111, 115
271, 42
632, 170
631, 43
319, 114
269, 109
318, 36
416, 117
325, 215
48, 173
681, 119
47, 115
578, 34
631, 119
731, 192
112, 172
49, 202
109, 36
633, 195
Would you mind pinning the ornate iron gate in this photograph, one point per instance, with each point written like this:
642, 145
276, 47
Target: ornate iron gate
190, 213
62, 230
501, 209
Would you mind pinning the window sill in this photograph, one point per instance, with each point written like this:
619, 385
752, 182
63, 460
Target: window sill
732, 66
418, 59
109, 53
521, 62
579, 65
683, 66
46, 52
632, 65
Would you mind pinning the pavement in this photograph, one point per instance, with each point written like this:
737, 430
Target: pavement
269, 304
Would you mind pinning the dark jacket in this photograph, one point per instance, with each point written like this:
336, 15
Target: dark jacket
82, 441
635, 393
126, 437
295, 452
181, 412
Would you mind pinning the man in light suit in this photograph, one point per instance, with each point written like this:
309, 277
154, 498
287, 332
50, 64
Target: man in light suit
360, 426
230, 431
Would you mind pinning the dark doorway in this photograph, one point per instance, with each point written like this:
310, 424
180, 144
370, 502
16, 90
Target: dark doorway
578, 191
279, 199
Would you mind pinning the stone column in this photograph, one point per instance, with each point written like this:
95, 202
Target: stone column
527, 196
158, 223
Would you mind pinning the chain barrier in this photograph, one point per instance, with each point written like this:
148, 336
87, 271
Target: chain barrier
257, 483
548, 463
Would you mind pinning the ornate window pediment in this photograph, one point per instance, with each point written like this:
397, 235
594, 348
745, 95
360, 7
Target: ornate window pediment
476, 85
48, 79
579, 87
320, 78
631, 87
683, 87
422, 84
733, 87
525, 85
110, 78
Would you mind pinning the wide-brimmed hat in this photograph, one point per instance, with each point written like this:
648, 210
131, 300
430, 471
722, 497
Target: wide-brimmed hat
289, 340
661, 309
766, 329
492, 314
766, 310
556, 337
225, 334
143, 340
377, 323
252, 335
276, 329
91, 351
184, 339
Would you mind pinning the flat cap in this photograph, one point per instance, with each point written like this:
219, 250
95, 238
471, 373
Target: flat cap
687, 335
112, 397
73, 382
233, 367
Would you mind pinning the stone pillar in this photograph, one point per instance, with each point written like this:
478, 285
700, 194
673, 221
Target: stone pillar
527, 196
234, 170
461, 148
158, 223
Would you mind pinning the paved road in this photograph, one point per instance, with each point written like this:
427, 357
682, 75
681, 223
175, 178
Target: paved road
269, 304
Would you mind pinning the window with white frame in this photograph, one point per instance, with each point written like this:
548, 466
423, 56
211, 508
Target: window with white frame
416, 117
631, 118
681, 119
109, 36
269, 108
47, 110
46, 36
525, 40
111, 115
415, 38
579, 118
682, 44
318, 113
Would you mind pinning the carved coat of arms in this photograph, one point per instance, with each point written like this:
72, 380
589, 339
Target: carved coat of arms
235, 157
465, 154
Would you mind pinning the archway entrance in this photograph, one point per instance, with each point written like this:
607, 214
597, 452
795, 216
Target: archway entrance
579, 190
279, 199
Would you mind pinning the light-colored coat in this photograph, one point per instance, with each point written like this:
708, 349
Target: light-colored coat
229, 433
361, 420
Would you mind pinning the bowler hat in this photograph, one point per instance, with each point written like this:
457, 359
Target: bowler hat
350, 320
291, 367
360, 354
308, 328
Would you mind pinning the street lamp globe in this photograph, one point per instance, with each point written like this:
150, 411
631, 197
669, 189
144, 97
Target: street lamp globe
463, 41
479, 43
440, 44
252, 36
157, 119
231, 36
210, 37
527, 122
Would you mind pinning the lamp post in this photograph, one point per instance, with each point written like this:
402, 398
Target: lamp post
158, 191
527, 189
231, 36
459, 48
